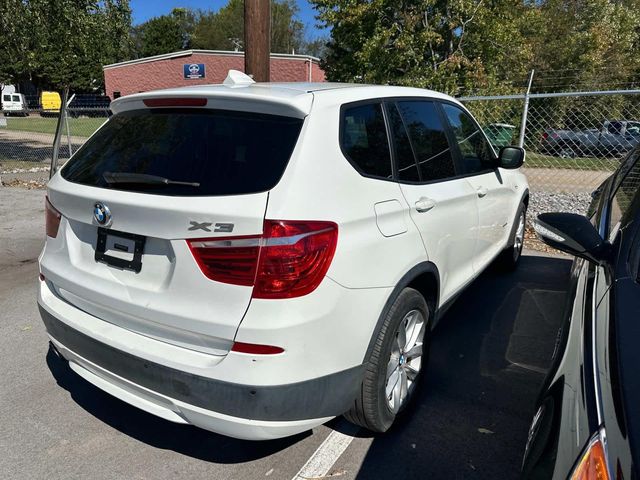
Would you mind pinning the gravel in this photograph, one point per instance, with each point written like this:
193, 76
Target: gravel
540, 202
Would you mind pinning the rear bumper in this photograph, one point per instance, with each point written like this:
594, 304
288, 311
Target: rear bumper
242, 411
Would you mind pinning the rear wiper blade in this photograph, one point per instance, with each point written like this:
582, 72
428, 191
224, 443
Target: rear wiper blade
142, 179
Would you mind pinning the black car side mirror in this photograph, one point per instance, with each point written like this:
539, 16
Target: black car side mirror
573, 234
511, 157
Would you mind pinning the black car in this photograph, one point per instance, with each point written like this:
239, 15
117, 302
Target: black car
89, 105
587, 419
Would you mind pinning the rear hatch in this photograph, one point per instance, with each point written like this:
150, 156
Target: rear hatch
149, 180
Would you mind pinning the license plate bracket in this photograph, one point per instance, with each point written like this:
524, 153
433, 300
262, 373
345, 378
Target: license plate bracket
135, 264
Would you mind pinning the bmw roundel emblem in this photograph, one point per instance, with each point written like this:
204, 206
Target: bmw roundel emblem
102, 214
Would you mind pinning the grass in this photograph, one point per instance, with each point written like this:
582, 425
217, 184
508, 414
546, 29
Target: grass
537, 160
7, 165
79, 127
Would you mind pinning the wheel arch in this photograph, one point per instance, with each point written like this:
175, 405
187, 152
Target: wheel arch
423, 277
525, 198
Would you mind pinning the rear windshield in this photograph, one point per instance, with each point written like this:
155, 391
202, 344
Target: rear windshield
224, 152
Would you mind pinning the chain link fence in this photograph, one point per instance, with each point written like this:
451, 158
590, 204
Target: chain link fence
573, 140
27, 137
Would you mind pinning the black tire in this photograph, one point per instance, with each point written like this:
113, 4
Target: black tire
371, 409
510, 256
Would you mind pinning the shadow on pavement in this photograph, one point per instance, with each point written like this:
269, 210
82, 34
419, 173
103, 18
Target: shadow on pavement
159, 433
471, 416
488, 359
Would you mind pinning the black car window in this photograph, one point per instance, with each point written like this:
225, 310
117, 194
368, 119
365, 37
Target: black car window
615, 128
364, 139
405, 161
476, 152
428, 139
625, 192
224, 152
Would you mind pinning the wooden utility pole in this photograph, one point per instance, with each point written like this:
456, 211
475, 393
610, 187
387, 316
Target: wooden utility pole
257, 38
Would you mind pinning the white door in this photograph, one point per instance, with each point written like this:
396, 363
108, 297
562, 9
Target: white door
442, 206
493, 192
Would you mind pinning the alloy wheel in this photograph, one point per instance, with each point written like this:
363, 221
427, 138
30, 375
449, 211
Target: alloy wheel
518, 241
405, 361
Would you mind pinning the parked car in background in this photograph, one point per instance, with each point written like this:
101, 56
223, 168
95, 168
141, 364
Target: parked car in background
615, 138
587, 422
89, 105
255, 259
14, 104
50, 102
561, 143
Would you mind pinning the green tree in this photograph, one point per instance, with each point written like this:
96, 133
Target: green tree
316, 47
62, 43
165, 34
16, 46
224, 29
429, 43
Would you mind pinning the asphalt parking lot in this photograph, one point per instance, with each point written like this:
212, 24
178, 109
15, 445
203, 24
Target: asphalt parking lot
470, 420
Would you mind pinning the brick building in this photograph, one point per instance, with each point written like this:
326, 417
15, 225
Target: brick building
177, 70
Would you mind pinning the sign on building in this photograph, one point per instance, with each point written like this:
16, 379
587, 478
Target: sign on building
193, 70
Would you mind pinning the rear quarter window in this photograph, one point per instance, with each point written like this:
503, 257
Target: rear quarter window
226, 153
363, 139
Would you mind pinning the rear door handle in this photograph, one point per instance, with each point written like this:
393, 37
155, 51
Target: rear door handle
482, 191
425, 204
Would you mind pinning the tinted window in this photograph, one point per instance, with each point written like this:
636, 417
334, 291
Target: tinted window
474, 148
364, 139
225, 152
623, 198
428, 139
615, 128
6, 98
406, 163
16, 98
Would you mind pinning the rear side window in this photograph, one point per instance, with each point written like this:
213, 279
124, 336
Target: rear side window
226, 153
428, 139
363, 139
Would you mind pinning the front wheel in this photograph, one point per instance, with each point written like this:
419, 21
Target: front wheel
394, 368
510, 257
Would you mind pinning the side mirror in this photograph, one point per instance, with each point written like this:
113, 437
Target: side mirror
511, 157
573, 234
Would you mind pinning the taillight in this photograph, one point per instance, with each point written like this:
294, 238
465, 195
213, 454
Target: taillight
175, 102
295, 257
231, 260
52, 218
545, 135
593, 464
288, 260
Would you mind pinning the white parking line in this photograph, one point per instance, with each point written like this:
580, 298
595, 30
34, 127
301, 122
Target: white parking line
320, 463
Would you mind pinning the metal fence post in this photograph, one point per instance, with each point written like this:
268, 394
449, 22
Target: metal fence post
66, 123
56, 138
525, 112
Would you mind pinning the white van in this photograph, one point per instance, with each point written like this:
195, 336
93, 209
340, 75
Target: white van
14, 104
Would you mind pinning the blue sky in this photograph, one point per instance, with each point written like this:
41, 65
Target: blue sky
145, 9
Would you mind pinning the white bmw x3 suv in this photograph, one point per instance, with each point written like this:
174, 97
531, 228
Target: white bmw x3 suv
256, 259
